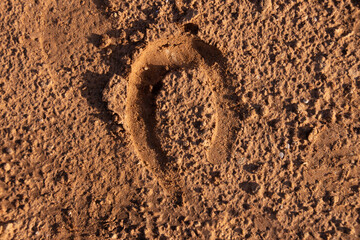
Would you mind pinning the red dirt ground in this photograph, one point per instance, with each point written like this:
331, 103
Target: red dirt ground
69, 164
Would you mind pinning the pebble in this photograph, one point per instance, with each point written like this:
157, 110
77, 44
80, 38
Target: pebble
108, 51
105, 41
7, 167
281, 155
13, 131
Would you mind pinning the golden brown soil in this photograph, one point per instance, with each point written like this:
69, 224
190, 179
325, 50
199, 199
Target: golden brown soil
179, 119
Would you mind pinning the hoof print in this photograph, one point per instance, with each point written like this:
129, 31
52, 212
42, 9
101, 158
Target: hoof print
157, 59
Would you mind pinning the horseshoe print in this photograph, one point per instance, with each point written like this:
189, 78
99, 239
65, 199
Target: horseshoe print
160, 57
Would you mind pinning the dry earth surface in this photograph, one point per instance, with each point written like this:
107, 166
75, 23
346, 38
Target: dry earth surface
69, 167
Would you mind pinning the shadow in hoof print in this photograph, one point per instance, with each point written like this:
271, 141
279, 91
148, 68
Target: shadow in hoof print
157, 59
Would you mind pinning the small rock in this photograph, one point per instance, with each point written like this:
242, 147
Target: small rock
281, 155
108, 52
13, 131
339, 32
105, 41
313, 134
8, 150
137, 36
7, 167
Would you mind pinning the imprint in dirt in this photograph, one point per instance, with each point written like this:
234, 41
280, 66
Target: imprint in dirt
182, 51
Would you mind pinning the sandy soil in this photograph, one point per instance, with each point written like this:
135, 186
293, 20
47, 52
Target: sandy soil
179, 119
